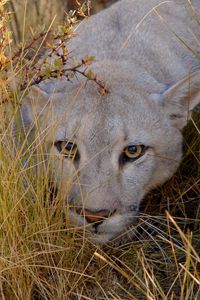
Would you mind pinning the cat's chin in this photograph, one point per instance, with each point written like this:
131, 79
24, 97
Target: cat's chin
101, 239
113, 239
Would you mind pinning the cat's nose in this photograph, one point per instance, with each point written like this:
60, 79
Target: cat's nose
94, 216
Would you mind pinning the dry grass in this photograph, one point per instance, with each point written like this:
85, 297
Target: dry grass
42, 257
37, 14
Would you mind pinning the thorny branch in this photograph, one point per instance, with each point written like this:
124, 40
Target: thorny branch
56, 63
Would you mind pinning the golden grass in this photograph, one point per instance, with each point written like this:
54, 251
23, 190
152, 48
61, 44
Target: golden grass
42, 257
36, 15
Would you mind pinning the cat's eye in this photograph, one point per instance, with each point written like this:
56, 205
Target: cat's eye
133, 152
67, 149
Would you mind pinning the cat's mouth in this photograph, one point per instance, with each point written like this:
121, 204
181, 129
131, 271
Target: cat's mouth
104, 231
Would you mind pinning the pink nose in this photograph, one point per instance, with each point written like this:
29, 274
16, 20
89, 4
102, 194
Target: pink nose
92, 217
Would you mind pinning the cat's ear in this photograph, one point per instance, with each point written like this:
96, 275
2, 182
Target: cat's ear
31, 109
180, 99
36, 99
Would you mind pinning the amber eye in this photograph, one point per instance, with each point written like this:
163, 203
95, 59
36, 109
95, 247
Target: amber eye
134, 151
67, 148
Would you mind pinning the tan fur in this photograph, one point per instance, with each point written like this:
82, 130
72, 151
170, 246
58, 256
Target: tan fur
153, 83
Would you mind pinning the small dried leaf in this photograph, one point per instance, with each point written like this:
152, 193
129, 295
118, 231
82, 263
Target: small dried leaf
88, 59
90, 75
70, 75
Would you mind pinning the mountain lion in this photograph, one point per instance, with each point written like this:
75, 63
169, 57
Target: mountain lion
116, 147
